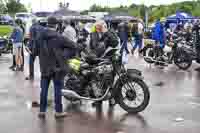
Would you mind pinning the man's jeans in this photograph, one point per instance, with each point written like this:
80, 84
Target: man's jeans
31, 65
58, 85
124, 46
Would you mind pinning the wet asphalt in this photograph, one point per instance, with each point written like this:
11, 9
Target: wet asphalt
174, 106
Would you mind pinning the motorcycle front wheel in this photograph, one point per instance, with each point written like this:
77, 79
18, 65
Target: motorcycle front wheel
133, 95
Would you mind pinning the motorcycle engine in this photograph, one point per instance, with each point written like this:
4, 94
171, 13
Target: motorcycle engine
95, 89
103, 69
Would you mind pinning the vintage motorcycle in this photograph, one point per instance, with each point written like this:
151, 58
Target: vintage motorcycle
173, 52
105, 78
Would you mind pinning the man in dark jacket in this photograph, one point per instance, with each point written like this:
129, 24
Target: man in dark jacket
52, 65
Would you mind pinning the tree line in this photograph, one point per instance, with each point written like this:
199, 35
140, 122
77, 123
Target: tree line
11, 7
155, 12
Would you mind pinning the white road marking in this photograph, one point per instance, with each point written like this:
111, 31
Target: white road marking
28, 105
195, 104
179, 119
3, 91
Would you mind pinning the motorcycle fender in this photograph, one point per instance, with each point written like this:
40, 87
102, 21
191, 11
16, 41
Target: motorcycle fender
134, 75
134, 72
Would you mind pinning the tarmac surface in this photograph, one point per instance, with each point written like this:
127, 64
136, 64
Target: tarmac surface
174, 105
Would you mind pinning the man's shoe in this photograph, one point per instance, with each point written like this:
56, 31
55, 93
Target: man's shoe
197, 69
35, 104
12, 67
42, 114
21, 69
29, 78
60, 115
128, 52
132, 51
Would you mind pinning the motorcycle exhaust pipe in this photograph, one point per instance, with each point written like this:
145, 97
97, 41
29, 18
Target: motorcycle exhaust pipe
70, 94
153, 60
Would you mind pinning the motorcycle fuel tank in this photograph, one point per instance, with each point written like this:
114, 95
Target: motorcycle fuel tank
75, 64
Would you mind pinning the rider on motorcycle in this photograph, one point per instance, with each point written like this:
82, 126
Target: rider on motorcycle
102, 38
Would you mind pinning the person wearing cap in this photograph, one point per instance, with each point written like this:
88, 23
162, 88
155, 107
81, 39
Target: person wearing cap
35, 30
52, 65
17, 40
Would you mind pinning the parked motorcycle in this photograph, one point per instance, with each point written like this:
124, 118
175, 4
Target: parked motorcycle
172, 52
4, 45
105, 78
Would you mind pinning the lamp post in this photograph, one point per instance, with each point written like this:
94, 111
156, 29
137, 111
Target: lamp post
146, 18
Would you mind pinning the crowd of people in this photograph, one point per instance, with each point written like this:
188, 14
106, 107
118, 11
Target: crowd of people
57, 42
54, 48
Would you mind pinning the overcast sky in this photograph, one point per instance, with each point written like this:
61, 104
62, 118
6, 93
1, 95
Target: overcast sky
51, 5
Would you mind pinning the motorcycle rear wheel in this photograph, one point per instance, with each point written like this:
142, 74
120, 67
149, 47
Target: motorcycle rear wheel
127, 106
183, 60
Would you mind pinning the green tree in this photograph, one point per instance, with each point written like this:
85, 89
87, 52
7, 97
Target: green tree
14, 6
2, 7
155, 12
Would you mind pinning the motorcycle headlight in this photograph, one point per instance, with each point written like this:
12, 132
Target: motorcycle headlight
5, 37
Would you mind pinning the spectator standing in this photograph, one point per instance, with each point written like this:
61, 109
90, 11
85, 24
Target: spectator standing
17, 38
138, 36
35, 30
123, 31
21, 25
158, 34
52, 65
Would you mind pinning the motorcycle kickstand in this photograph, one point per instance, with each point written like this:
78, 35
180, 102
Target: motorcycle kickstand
97, 104
112, 102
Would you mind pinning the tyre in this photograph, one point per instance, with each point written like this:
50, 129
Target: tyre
148, 51
128, 95
183, 60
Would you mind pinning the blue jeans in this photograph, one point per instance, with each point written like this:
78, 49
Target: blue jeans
31, 65
138, 42
58, 85
124, 46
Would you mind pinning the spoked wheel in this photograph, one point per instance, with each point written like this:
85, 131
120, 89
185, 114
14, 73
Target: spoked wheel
134, 96
183, 60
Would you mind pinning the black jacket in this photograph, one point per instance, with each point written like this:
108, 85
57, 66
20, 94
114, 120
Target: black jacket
101, 41
51, 53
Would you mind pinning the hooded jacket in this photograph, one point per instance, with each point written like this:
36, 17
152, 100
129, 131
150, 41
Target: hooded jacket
158, 33
51, 53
